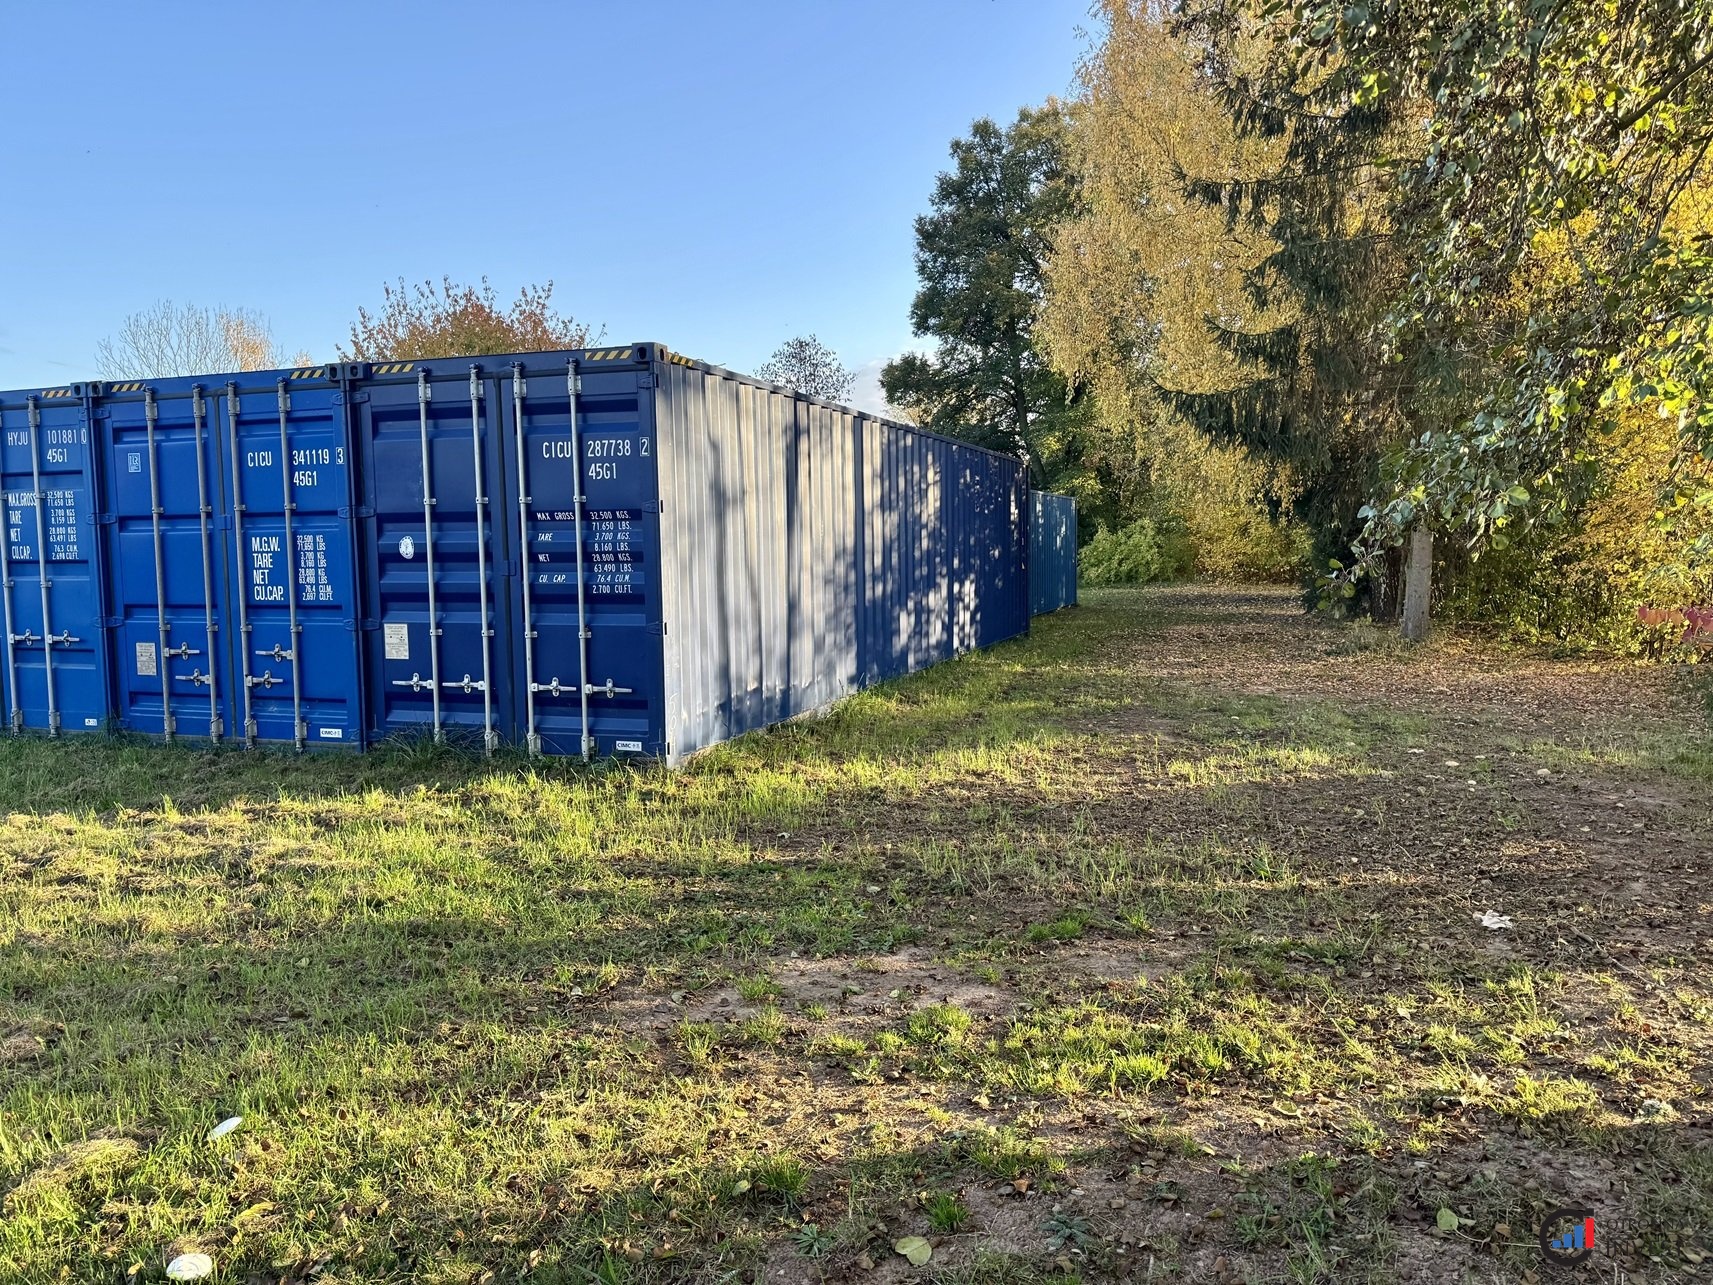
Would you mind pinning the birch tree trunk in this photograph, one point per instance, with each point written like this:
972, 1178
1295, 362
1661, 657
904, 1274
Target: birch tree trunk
1418, 583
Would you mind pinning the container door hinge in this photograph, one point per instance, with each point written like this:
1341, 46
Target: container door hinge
645, 379
657, 628
106, 519
111, 622
370, 623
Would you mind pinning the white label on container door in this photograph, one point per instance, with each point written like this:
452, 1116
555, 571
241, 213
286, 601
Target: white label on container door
331, 733
396, 640
146, 660
407, 548
630, 747
133, 461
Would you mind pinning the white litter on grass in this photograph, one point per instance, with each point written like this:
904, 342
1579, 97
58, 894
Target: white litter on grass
190, 1267
225, 1127
1493, 919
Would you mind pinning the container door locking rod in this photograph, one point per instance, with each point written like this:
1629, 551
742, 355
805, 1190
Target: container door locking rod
48, 640
525, 558
151, 416
199, 409
16, 719
574, 386
298, 733
424, 393
243, 586
490, 738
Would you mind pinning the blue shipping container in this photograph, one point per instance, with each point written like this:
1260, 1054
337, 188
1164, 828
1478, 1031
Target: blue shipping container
54, 675
615, 551
1052, 552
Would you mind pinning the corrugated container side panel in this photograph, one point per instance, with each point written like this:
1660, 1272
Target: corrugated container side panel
800, 567
830, 541
891, 586
737, 605
670, 402
1052, 552
850, 500
55, 669
869, 616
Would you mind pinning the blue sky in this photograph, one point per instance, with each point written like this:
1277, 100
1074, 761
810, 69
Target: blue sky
716, 176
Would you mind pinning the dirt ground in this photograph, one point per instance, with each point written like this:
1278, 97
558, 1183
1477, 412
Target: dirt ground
1571, 797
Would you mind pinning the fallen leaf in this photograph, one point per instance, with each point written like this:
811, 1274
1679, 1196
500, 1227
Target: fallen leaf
917, 1250
190, 1267
1446, 1220
225, 1127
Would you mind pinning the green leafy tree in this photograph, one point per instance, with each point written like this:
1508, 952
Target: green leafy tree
981, 254
453, 320
1580, 121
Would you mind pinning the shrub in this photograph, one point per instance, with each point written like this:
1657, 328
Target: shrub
1141, 552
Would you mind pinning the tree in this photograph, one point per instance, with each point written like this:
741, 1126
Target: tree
810, 367
172, 339
1146, 279
981, 255
422, 321
1580, 123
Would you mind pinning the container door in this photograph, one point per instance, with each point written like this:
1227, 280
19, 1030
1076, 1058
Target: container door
590, 657
165, 559
435, 552
53, 673
294, 591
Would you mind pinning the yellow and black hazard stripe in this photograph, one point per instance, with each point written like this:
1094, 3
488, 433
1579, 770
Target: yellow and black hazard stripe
395, 368
311, 372
609, 354
133, 386
58, 392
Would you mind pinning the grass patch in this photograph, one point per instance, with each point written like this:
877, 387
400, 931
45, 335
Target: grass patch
567, 1024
